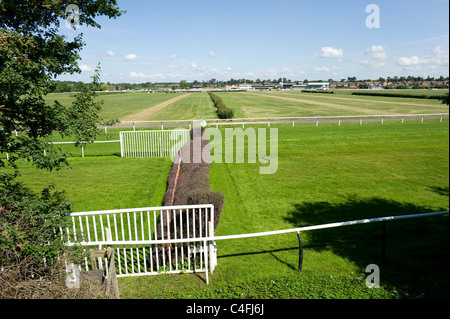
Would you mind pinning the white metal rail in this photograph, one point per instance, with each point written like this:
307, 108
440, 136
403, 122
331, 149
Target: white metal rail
137, 234
291, 230
140, 237
293, 120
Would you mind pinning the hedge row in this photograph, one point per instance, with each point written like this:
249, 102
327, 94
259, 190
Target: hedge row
223, 111
405, 95
191, 188
317, 91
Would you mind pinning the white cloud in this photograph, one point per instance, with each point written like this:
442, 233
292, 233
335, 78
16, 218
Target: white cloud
156, 76
212, 54
131, 57
438, 59
414, 60
85, 68
377, 57
198, 67
138, 75
322, 69
330, 52
111, 54
173, 56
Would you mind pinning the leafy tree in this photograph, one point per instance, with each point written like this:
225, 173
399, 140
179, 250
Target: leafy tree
32, 55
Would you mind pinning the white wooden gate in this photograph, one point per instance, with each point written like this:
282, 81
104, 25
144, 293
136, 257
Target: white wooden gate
142, 144
149, 241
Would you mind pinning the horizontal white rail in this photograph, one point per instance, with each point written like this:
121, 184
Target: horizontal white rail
94, 142
278, 232
211, 121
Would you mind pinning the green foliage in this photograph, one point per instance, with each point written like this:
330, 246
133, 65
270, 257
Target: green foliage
32, 54
30, 227
318, 91
445, 99
405, 95
223, 111
84, 114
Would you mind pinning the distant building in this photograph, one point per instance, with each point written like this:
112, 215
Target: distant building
311, 86
262, 87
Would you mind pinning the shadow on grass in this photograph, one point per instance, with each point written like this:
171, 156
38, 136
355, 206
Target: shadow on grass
417, 250
443, 191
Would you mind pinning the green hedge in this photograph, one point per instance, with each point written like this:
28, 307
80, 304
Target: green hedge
404, 95
318, 91
223, 111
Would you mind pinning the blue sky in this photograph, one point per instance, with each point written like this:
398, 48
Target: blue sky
165, 41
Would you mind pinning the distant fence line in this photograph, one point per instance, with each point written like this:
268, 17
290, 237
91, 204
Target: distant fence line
260, 120
283, 120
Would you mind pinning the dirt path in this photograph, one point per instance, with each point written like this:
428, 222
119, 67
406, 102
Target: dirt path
147, 113
333, 105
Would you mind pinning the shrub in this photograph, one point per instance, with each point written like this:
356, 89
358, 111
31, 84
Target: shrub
404, 95
223, 111
317, 91
216, 198
33, 254
29, 227
188, 184
445, 99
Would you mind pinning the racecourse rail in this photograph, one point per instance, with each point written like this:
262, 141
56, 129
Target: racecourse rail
210, 254
261, 120
288, 120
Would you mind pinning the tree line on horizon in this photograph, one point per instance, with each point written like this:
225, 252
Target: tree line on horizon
75, 86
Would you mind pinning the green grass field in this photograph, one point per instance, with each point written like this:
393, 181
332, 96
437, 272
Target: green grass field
326, 174
292, 103
140, 106
132, 106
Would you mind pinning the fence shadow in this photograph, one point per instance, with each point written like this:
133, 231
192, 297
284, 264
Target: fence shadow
417, 250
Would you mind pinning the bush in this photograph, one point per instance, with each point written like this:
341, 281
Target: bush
33, 254
188, 184
216, 198
445, 99
404, 95
317, 91
223, 111
30, 227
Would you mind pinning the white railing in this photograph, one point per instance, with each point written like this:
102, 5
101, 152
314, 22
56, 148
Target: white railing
288, 120
142, 238
143, 144
138, 253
